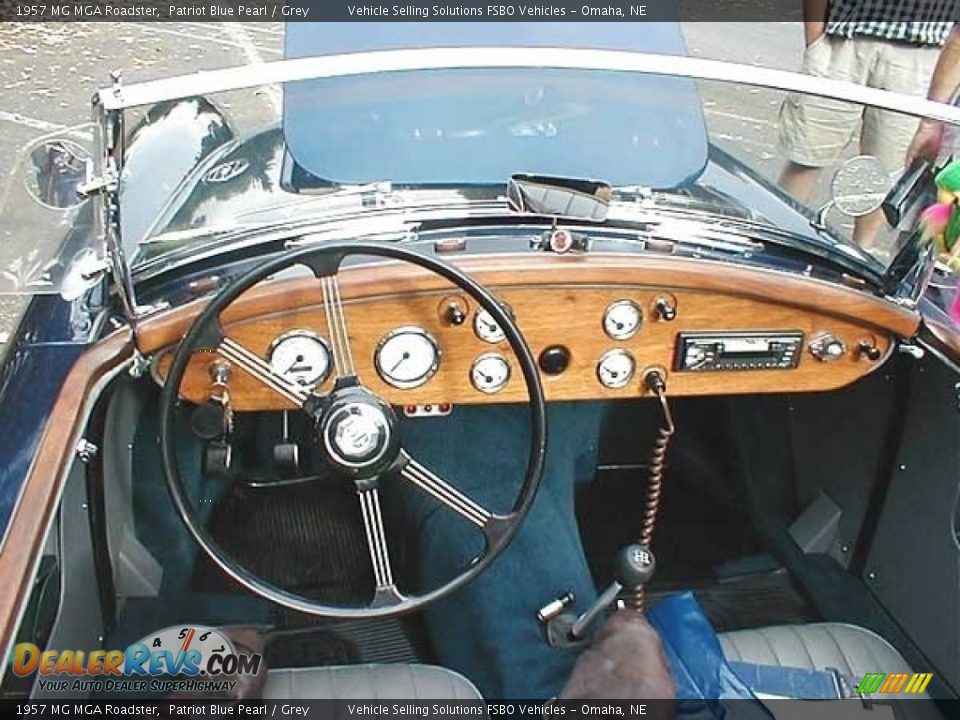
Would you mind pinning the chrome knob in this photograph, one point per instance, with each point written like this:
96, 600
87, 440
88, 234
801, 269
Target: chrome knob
827, 347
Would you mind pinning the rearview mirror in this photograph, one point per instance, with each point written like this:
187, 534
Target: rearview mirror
57, 169
859, 186
559, 197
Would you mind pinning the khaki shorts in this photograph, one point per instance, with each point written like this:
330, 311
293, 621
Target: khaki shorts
815, 131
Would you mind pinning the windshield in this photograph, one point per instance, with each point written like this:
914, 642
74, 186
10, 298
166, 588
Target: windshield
451, 138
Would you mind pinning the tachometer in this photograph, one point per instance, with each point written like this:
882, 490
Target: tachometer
407, 357
300, 356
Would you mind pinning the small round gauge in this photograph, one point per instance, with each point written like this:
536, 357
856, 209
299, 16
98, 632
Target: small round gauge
486, 327
622, 319
407, 357
489, 373
615, 368
301, 357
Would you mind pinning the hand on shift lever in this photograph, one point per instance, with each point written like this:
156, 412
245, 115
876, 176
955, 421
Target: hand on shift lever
625, 661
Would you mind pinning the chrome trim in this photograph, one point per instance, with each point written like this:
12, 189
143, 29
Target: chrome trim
348, 64
407, 330
301, 332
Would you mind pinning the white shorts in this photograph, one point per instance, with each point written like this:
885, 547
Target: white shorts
815, 131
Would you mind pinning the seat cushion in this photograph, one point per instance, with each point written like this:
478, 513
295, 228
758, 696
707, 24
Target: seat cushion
368, 682
853, 651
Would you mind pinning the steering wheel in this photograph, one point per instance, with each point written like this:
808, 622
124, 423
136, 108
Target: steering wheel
356, 430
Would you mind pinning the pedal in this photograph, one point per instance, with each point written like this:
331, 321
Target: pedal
286, 457
217, 458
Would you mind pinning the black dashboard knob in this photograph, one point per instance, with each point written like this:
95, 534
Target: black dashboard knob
554, 359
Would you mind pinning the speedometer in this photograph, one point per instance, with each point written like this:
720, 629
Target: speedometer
407, 357
300, 356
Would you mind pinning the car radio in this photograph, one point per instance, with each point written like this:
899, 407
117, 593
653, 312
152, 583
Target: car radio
704, 351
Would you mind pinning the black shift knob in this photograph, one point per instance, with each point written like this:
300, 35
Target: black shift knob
634, 566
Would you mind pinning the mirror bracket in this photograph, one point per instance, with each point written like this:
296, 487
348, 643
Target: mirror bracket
98, 184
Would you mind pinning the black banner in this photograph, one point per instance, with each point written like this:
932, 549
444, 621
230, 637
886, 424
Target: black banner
635, 11
855, 709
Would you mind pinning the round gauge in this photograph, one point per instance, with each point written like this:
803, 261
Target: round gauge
622, 319
486, 327
615, 368
489, 373
301, 357
407, 357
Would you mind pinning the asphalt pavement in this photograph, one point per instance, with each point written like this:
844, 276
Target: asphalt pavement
49, 71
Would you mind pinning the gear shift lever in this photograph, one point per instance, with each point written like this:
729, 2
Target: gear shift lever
634, 568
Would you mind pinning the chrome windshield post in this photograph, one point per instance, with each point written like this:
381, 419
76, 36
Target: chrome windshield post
104, 183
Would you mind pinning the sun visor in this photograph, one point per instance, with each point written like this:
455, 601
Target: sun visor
480, 126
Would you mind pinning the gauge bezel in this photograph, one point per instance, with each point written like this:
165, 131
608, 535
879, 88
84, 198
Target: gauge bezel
627, 378
476, 318
625, 302
407, 330
490, 356
302, 332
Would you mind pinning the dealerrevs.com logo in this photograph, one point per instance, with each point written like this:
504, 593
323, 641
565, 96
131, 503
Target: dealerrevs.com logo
179, 658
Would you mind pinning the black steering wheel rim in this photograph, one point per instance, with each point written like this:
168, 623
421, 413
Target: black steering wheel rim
325, 260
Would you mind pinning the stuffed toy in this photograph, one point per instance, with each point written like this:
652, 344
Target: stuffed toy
940, 222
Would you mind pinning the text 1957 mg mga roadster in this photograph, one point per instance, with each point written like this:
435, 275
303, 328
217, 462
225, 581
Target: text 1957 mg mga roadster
404, 393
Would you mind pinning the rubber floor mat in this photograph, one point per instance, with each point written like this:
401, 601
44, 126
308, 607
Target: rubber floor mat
306, 538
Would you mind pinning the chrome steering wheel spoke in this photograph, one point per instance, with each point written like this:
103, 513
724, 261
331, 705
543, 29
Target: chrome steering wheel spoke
257, 367
385, 592
491, 524
337, 327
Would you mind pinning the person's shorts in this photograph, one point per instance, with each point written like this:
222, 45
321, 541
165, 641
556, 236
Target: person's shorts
816, 131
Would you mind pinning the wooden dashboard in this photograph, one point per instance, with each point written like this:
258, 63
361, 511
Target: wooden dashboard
557, 301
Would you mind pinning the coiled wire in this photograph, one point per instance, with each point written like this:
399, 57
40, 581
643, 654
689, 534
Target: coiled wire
636, 597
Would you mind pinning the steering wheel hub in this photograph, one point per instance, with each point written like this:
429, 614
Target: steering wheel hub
359, 434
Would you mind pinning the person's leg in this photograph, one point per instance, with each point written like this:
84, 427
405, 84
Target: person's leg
799, 180
489, 630
814, 131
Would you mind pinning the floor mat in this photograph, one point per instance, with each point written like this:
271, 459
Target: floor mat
750, 601
307, 539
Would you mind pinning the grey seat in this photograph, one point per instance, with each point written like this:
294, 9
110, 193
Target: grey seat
853, 651
369, 682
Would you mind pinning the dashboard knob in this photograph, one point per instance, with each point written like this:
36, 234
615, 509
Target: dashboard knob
867, 349
453, 311
826, 347
665, 309
554, 359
